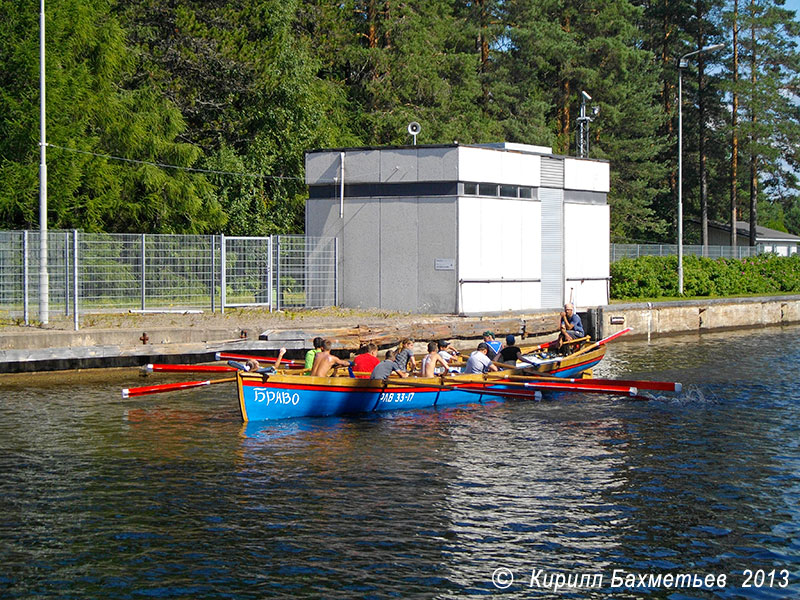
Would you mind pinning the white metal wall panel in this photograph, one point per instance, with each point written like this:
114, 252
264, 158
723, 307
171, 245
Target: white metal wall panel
588, 175
498, 166
552, 172
586, 253
552, 247
499, 239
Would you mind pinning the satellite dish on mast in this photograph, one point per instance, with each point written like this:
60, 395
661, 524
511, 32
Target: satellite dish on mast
414, 128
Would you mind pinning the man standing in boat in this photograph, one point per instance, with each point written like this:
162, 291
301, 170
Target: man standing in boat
570, 325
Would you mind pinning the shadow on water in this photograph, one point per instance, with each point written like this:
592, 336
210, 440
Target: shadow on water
172, 496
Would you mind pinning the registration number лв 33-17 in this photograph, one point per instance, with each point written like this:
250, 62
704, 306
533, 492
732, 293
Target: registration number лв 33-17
396, 397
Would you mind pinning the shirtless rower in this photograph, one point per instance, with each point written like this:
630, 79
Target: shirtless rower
324, 361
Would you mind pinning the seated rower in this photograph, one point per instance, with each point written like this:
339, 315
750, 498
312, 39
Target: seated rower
324, 361
386, 367
570, 326
364, 363
492, 345
511, 353
405, 356
431, 360
447, 351
479, 361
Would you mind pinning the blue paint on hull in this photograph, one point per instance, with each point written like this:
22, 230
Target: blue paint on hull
267, 401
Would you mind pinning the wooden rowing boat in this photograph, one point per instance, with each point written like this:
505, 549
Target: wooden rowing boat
282, 396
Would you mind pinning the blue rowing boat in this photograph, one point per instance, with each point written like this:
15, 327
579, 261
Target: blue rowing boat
264, 396
285, 396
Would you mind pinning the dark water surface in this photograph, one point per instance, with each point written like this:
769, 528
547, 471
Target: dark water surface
170, 496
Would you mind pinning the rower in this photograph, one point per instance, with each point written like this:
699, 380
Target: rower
570, 326
492, 345
432, 358
479, 361
324, 361
511, 353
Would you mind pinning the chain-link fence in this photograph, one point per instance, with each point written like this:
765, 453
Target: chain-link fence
636, 250
164, 272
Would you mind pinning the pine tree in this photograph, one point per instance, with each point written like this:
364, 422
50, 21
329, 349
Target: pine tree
560, 49
92, 115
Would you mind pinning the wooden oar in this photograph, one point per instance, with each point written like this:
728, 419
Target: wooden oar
267, 359
187, 368
598, 343
481, 392
171, 387
566, 386
663, 386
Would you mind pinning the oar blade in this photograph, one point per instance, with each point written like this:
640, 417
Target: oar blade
170, 387
162, 368
267, 359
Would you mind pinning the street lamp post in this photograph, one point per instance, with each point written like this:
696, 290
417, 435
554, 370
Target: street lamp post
44, 281
682, 64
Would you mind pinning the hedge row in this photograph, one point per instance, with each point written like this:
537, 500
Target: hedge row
657, 276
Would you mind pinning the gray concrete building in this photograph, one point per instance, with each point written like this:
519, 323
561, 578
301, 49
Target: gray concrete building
462, 229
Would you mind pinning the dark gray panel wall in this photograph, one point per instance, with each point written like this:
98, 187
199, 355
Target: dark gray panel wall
398, 252
360, 250
437, 240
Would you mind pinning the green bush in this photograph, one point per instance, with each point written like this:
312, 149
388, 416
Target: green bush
657, 276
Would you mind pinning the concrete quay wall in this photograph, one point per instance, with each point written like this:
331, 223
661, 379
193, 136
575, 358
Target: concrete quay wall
649, 319
32, 349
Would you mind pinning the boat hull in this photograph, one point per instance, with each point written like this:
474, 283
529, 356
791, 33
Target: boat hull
288, 396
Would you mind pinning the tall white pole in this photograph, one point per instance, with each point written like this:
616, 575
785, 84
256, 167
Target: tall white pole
682, 63
680, 179
44, 283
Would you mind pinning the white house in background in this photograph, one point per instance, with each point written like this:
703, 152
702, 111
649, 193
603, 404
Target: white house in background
462, 229
770, 240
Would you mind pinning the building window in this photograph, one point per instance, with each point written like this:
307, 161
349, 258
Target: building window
508, 191
487, 189
525, 192
470, 189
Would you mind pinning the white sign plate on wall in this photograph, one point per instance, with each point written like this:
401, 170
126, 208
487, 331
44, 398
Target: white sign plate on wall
444, 264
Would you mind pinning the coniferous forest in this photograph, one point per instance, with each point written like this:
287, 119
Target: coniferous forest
190, 116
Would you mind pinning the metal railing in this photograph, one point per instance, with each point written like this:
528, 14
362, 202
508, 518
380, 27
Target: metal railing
636, 250
144, 272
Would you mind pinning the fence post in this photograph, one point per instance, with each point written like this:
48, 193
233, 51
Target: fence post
66, 273
270, 278
25, 289
213, 271
74, 278
222, 282
144, 273
336, 271
278, 274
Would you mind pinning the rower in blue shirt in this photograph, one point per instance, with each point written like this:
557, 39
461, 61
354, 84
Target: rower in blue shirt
570, 325
492, 344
